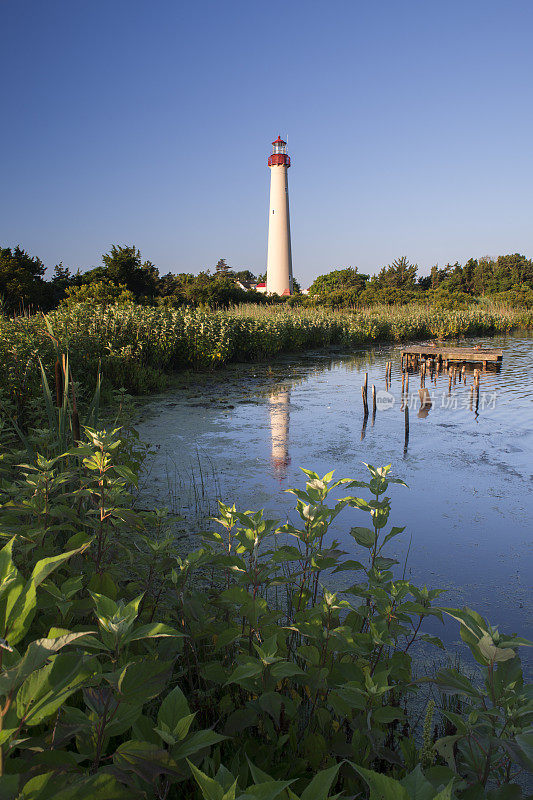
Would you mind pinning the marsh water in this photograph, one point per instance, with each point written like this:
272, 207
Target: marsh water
242, 434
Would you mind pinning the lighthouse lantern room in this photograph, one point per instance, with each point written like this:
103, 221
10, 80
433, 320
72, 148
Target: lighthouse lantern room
279, 258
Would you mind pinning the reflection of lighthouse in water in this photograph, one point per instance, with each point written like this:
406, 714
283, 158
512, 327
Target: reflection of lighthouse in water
279, 426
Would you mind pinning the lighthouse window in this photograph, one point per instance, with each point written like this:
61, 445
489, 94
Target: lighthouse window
272, 210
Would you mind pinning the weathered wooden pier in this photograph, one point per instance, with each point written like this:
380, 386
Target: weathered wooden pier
416, 355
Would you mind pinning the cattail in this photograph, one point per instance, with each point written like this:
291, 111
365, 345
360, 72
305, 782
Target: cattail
59, 384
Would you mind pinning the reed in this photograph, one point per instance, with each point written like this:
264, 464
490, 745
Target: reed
139, 346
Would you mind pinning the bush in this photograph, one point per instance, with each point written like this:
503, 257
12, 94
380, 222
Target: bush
99, 293
234, 667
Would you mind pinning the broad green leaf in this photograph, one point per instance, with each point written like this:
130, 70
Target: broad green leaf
319, 787
285, 669
45, 690
21, 607
146, 760
182, 728
143, 680
244, 671
265, 791
8, 570
151, 630
426, 637
525, 745
381, 786
36, 655
492, 652
418, 786
20, 610
37, 787
173, 708
387, 714
258, 776
446, 793
451, 681
198, 741
211, 790
46, 566
363, 536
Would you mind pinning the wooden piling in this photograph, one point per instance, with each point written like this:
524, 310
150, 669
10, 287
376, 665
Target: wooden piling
406, 424
374, 406
365, 402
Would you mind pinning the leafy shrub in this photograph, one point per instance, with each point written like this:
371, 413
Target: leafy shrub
98, 293
128, 670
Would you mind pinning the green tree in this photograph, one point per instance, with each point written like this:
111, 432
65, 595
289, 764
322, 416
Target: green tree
245, 275
398, 275
340, 287
62, 279
123, 267
21, 280
221, 268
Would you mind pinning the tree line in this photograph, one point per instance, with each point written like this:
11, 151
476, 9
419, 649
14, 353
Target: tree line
123, 276
508, 278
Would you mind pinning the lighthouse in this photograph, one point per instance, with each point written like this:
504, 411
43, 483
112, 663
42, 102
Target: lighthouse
279, 258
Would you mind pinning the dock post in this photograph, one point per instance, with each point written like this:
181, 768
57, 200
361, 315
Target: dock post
365, 402
406, 423
374, 406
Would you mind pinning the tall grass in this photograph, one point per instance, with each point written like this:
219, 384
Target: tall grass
139, 346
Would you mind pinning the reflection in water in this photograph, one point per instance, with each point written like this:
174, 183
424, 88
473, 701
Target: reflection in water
468, 463
280, 399
425, 402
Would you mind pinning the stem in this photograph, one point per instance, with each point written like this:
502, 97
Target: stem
410, 642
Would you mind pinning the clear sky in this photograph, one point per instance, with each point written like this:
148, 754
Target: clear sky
149, 122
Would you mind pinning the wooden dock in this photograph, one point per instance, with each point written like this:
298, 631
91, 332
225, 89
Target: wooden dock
416, 354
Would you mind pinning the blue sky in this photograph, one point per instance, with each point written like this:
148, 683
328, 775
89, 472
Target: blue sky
149, 123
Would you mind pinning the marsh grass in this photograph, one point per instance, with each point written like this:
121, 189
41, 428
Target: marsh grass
139, 347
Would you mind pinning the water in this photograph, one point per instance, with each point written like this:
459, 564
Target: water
468, 508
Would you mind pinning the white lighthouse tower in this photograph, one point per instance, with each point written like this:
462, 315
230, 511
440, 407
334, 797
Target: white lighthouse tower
279, 259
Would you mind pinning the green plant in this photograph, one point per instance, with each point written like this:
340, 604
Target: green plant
129, 670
